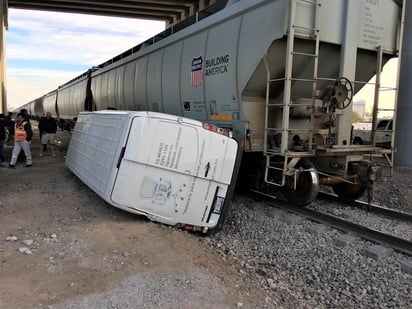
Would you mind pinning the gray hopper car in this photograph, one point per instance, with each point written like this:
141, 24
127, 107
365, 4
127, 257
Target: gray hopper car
280, 74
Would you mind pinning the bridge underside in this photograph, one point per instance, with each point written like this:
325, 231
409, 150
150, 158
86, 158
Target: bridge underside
170, 11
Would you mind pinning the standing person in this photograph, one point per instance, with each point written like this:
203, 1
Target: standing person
22, 137
26, 117
47, 129
2, 138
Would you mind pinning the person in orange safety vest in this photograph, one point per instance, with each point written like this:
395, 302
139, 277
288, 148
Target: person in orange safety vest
22, 137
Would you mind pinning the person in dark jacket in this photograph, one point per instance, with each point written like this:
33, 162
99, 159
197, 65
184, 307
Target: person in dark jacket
10, 125
2, 138
22, 137
47, 128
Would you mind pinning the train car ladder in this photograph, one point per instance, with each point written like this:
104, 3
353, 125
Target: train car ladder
387, 153
290, 158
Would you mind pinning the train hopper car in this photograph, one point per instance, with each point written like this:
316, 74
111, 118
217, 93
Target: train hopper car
73, 97
171, 169
49, 103
280, 74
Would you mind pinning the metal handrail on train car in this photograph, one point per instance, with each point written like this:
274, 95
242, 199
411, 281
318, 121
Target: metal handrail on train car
284, 151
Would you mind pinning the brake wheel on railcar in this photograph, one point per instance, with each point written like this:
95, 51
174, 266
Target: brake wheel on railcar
307, 185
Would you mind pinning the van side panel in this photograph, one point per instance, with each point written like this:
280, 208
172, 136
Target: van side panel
94, 149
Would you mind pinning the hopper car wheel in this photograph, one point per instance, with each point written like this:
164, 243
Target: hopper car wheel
350, 191
307, 185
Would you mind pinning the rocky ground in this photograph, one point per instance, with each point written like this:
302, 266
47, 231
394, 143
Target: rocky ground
61, 246
310, 265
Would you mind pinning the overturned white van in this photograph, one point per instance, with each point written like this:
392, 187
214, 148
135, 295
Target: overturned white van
171, 169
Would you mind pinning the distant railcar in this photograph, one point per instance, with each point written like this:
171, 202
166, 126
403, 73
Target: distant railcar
50, 103
73, 97
29, 107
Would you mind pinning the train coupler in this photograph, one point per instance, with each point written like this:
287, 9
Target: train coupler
369, 173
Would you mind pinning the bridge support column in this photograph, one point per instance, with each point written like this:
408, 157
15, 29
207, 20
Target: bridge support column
3, 26
348, 64
403, 141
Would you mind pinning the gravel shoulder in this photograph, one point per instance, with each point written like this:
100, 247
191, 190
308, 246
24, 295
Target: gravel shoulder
61, 246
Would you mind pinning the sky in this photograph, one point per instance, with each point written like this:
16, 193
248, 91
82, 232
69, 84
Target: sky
387, 93
47, 49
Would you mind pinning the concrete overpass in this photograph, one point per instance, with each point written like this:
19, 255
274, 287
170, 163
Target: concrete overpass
170, 11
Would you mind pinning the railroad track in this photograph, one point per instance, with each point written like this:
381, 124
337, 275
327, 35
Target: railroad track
386, 239
387, 212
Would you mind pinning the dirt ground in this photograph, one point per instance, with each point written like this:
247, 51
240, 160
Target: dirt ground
61, 246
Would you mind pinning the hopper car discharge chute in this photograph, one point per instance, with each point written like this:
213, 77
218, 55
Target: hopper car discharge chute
280, 74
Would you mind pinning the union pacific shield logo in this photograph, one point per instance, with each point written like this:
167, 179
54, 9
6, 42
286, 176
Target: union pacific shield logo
196, 73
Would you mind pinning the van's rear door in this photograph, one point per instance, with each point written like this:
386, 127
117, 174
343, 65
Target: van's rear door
174, 172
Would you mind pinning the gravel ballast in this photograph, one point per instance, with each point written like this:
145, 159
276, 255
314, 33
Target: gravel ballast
310, 265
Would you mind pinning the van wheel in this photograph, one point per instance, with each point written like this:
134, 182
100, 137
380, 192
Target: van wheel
357, 141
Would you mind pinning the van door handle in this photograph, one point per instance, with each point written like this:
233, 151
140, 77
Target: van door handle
207, 167
120, 157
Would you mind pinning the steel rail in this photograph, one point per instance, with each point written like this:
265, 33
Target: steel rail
397, 243
387, 212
